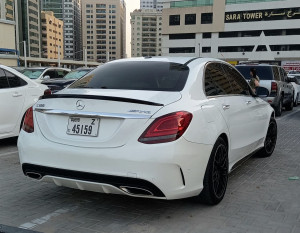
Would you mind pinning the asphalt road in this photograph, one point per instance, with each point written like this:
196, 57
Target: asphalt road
261, 197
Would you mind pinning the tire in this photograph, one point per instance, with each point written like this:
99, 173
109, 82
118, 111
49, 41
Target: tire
278, 108
216, 175
270, 140
296, 101
290, 106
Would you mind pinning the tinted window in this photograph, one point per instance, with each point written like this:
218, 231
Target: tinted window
283, 74
14, 81
3, 80
238, 83
263, 72
138, 75
276, 73
214, 75
51, 73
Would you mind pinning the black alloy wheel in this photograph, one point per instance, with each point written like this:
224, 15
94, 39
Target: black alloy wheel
216, 175
220, 171
270, 140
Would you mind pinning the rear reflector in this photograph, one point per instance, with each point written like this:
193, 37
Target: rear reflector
28, 121
167, 128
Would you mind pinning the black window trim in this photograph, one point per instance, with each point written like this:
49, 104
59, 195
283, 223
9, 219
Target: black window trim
216, 96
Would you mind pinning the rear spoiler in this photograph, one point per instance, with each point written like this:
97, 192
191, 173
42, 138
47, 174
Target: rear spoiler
96, 97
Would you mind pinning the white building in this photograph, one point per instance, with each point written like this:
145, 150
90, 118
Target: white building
234, 30
151, 4
146, 26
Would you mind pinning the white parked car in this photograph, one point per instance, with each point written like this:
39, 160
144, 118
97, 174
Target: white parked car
17, 94
294, 79
164, 128
40, 74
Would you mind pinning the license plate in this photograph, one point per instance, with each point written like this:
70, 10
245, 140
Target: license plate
83, 126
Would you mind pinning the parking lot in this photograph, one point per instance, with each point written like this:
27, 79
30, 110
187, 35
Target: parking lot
263, 195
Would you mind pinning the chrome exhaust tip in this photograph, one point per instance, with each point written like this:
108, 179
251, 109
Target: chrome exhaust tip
136, 191
34, 175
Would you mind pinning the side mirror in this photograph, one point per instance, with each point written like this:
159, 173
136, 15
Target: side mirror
46, 77
262, 92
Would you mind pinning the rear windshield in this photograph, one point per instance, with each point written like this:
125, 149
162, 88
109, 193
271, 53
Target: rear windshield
263, 72
136, 75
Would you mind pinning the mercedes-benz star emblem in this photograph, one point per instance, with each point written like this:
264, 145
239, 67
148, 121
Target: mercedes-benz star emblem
80, 105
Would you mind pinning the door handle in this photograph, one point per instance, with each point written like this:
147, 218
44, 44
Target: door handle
248, 102
17, 94
226, 106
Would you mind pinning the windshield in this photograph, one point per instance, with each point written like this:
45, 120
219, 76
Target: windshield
76, 74
136, 75
263, 72
32, 74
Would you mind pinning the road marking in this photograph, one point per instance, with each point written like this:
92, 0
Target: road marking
39, 221
9, 153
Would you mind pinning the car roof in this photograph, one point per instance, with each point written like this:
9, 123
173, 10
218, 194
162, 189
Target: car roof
178, 60
268, 65
44, 68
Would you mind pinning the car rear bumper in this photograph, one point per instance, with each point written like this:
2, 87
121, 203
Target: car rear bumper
165, 171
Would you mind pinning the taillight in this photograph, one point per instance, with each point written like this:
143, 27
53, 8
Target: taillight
28, 121
274, 87
47, 92
167, 128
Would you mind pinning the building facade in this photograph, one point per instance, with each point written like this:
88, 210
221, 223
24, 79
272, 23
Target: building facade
8, 53
151, 4
233, 30
7, 10
69, 11
29, 26
146, 29
52, 36
104, 29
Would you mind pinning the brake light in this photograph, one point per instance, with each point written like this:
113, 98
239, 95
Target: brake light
274, 87
167, 128
28, 121
47, 92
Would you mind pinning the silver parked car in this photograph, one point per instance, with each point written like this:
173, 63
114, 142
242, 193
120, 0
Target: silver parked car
275, 79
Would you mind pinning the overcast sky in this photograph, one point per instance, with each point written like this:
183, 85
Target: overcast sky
131, 5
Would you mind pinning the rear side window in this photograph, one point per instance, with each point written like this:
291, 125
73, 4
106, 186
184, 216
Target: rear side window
238, 83
3, 80
283, 74
14, 81
263, 72
277, 75
136, 75
216, 82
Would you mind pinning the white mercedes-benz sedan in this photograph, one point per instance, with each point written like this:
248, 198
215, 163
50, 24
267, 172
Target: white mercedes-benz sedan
158, 127
17, 94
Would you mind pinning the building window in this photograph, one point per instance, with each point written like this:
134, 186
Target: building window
182, 50
182, 36
174, 20
206, 18
206, 35
190, 19
206, 49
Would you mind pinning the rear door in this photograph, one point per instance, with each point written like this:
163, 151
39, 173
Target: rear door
12, 97
234, 109
257, 118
